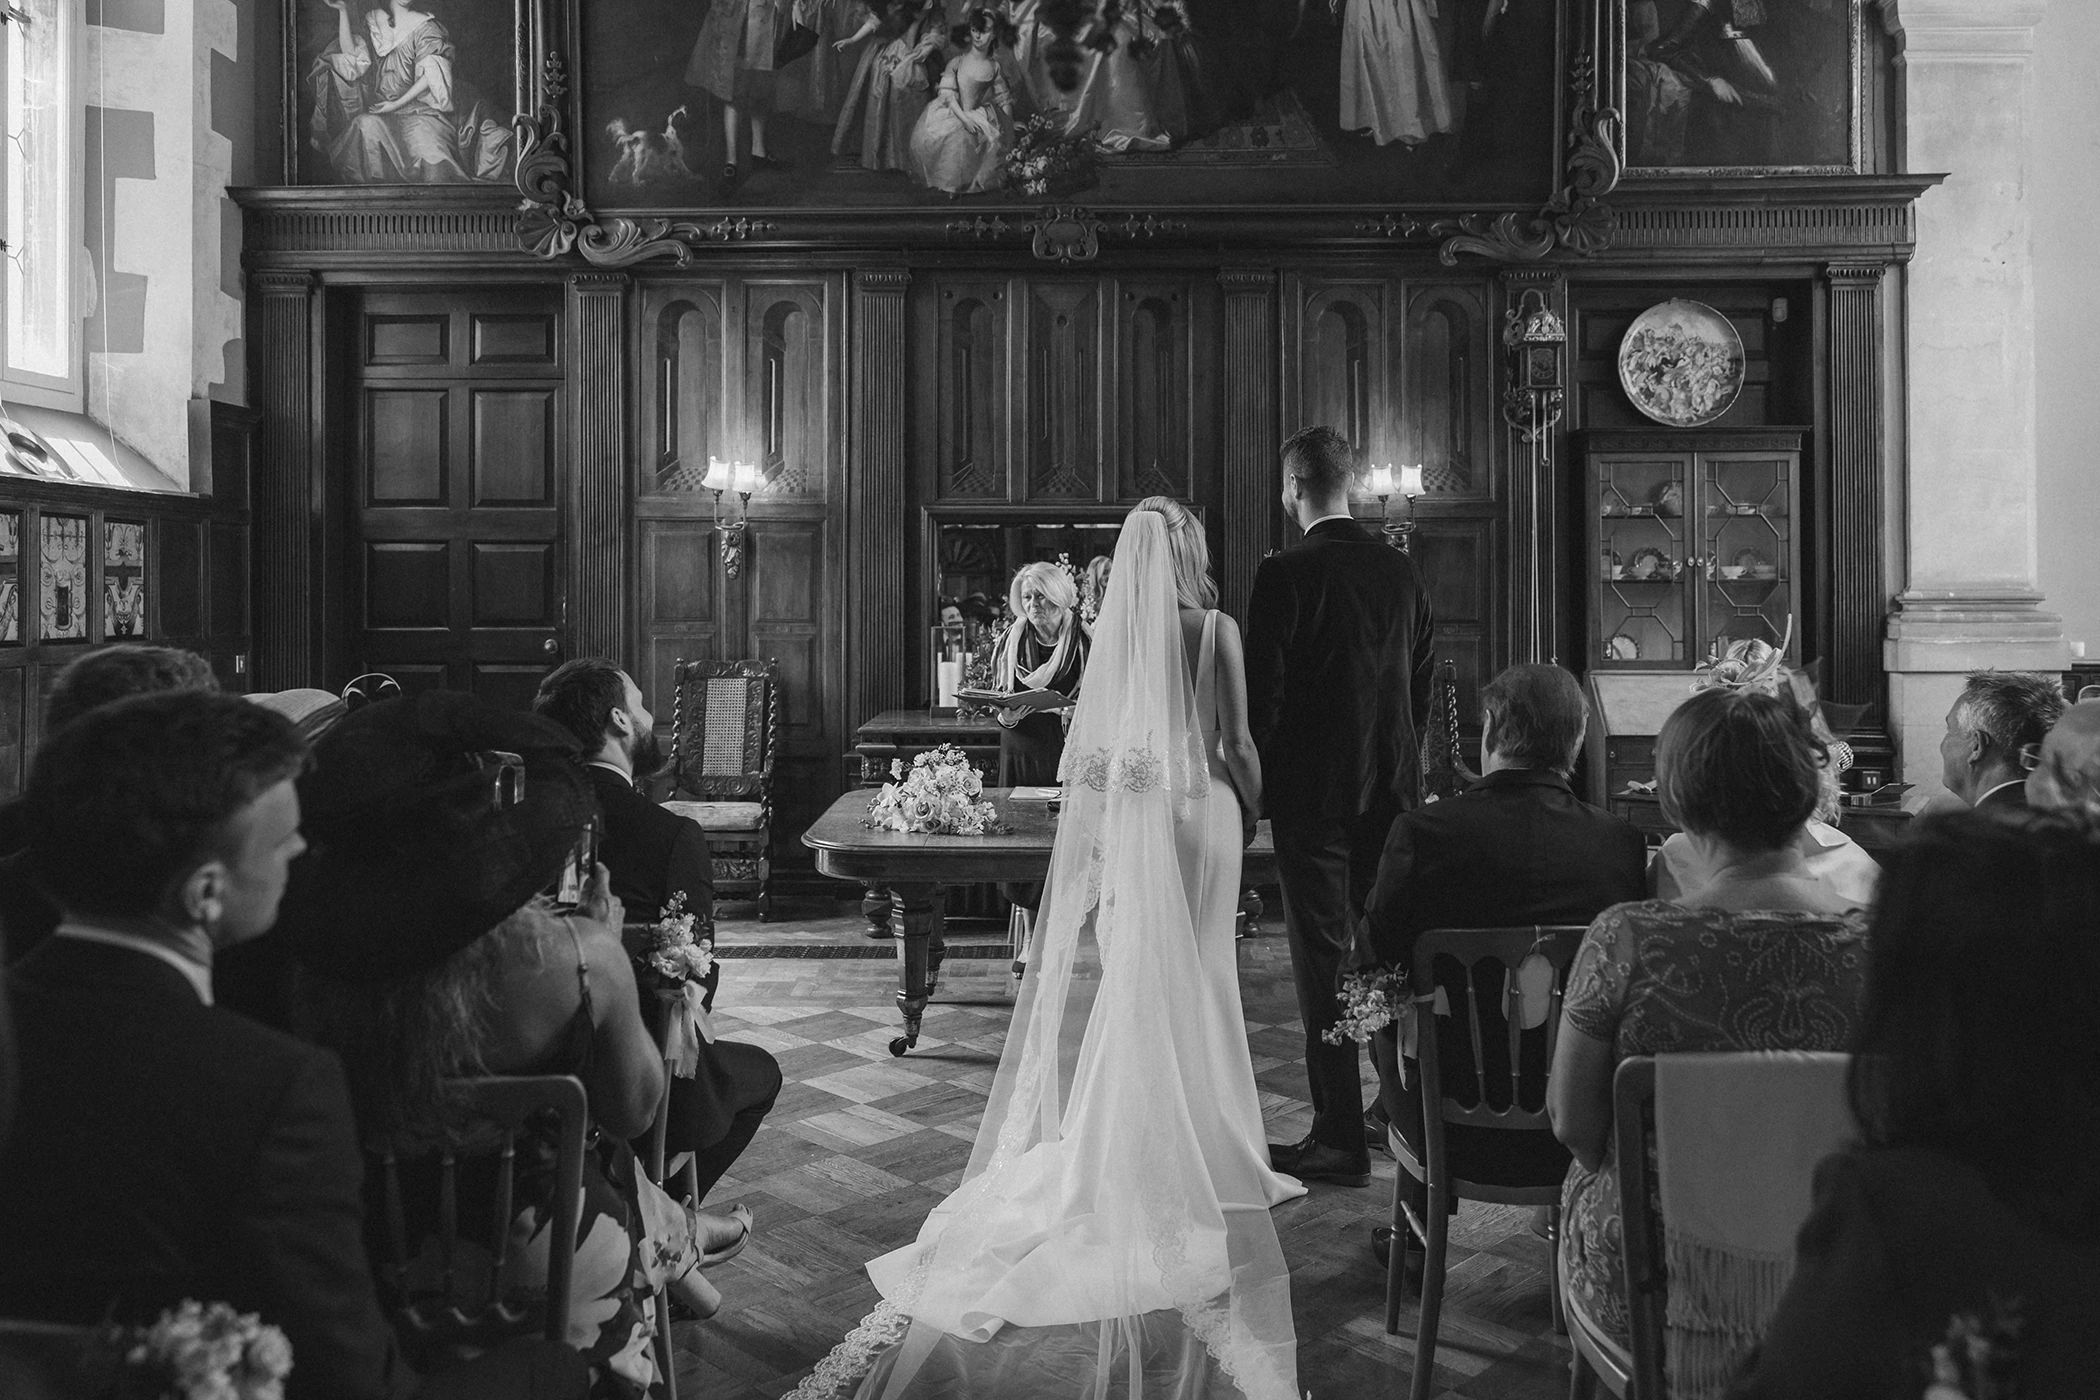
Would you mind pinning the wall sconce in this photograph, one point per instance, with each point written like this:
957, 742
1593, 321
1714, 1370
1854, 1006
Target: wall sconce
1405, 482
742, 478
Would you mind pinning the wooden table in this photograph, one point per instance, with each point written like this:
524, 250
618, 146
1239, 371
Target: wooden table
902, 734
914, 868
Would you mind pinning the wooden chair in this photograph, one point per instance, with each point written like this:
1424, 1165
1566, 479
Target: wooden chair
1638, 1373
1509, 947
468, 1309
725, 738
659, 1131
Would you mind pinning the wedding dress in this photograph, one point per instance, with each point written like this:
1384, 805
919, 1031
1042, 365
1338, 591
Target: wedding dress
1111, 1235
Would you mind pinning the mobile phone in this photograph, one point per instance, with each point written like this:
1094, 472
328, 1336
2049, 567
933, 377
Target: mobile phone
567, 890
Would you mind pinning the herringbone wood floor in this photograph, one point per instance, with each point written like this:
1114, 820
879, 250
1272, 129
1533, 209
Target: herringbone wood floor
861, 1146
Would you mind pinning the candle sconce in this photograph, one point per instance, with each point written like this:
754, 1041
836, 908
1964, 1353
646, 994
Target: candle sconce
743, 478
1405, 482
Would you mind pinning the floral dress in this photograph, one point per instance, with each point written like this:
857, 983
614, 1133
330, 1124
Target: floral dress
1656, 978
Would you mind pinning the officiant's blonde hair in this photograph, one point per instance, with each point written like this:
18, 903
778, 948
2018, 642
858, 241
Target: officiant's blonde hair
1189, 550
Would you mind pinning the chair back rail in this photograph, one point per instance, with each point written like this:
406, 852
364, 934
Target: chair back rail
504, 1106
1640, 1232
725, 728
1510, 947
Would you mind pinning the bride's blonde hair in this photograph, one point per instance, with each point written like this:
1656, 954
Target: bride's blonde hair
1189, 550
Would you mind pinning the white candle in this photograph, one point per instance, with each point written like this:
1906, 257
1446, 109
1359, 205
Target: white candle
950, 676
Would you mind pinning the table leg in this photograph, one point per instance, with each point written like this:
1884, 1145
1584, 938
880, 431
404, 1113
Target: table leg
916, 913
875, 908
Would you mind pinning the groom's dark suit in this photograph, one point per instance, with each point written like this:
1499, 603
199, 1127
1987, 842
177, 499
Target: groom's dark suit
1338, 649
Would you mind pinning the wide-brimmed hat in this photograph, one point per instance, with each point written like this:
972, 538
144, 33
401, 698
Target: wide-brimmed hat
428, 820
312, 712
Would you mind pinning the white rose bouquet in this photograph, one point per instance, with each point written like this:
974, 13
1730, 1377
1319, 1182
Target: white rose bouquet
938, 796
675, 965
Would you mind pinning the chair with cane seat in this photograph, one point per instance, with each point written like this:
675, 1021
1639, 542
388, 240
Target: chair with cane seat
1512, 949
725, 738
466, 1306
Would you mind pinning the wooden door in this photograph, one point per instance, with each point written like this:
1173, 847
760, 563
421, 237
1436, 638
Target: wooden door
454, 561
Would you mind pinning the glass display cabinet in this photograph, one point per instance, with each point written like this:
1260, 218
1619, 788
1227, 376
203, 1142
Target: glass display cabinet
1694, 542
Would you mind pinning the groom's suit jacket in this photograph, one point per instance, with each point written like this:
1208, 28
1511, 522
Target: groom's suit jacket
1339, 658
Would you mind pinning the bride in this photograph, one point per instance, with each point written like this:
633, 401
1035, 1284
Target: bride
1111, 1235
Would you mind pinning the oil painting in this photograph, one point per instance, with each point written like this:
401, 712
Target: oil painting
1741, 86
403, 92
887, 103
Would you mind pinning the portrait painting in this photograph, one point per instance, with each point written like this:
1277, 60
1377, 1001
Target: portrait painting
1741, 86
887, 103
403, 92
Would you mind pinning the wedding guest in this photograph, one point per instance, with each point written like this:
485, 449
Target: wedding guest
1738, 772
2066, 774
89, 681
1976, 1188
1997, 714
653, 855
1093, 584
1830, 855
165, 1148
312, 712
428, 952
1518, 847
1044, 649
1339, 654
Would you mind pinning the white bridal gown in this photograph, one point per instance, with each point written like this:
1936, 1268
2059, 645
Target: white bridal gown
1111, 1235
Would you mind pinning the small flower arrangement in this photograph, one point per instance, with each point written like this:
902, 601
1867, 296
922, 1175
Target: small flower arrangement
204, 1352
675, 954
1368, 999
938, 796
1977, 1359
1044, 161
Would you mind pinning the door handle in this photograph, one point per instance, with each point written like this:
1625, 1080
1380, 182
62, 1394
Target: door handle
550, 646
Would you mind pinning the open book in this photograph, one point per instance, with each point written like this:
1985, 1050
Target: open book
1022, 699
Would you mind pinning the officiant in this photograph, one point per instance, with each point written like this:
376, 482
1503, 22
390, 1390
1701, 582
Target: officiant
1044, 649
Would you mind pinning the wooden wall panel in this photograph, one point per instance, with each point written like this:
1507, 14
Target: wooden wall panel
280, 376
1859, 600
877, 507
596, 537
787, 387
1155, 391
966, 398
1061, 446
1247, 390
405, 447
685, 410
1447, 405
511, 458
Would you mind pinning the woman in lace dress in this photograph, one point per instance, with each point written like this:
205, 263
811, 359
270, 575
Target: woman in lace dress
1762, 956
1111, 1234
962, 138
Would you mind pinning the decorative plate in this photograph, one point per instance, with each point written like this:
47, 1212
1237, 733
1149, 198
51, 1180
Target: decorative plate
1622, 648
1649, 563
1681, 363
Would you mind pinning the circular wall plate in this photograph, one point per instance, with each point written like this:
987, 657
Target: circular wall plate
1681, 363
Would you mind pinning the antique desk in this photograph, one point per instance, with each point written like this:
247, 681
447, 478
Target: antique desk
900, 734
914, 868
1876, 829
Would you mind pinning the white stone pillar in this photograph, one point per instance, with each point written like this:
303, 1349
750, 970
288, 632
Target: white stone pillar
1971, 598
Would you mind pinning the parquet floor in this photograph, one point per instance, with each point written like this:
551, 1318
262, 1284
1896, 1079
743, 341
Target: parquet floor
861, 1145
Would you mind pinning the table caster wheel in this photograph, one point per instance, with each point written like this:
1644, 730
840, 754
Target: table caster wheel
899, 1046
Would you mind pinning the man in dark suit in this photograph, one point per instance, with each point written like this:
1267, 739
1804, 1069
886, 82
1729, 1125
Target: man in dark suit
164, 1148
653, 854
1518, 847
1338, 671
1997, 716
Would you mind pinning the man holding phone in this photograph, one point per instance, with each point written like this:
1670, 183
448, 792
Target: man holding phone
653, 854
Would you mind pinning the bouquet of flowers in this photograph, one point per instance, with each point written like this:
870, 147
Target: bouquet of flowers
675, 965
1370, 1000
1979, 1359
937, 797
200, 1352
1043, 161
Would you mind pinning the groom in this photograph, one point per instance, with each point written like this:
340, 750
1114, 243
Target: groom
1338, 674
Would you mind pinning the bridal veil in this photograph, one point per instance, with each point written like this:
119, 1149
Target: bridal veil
1111, 1235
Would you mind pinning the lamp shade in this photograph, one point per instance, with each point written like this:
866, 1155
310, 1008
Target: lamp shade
747, 478
1381, 483
1411, 480
717, 478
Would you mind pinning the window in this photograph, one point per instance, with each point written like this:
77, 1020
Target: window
40, 357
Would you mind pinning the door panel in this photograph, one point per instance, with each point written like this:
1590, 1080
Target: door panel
454, 575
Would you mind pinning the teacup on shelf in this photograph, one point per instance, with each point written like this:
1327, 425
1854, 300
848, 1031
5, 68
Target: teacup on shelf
1731, 571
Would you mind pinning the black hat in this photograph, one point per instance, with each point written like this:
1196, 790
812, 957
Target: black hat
429, 820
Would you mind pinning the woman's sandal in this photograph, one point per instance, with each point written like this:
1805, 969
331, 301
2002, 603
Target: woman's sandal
710, 1258
693, 1297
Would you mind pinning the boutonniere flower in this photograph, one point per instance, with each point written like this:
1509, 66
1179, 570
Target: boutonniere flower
1977, 1358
